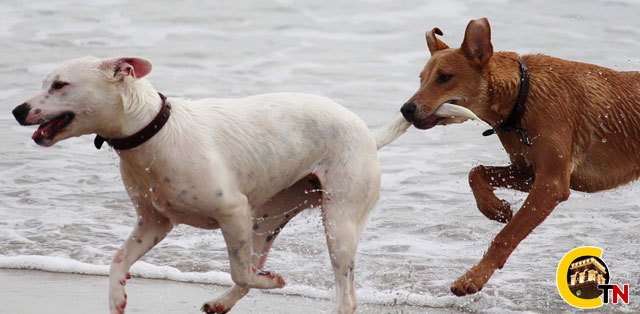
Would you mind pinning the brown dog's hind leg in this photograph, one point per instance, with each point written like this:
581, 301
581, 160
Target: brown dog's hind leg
483, 181
550, 188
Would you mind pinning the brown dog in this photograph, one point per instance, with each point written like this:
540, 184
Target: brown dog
579, 128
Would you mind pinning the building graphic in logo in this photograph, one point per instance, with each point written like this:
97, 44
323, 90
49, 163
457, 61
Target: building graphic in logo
583, 280
585, 275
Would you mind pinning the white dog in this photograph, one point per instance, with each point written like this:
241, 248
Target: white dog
246, 166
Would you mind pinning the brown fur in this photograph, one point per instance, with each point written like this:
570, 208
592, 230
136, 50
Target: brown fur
584, 121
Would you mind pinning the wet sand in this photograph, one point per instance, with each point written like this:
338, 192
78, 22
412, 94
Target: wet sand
28, 291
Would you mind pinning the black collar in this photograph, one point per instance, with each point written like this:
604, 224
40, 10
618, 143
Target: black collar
509, 123
141, 136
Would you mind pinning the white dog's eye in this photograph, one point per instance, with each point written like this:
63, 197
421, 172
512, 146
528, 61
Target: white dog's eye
59, 84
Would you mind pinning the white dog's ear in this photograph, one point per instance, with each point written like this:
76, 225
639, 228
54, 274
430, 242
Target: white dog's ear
119, 68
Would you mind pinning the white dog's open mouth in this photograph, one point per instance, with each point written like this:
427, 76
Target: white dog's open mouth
48, 130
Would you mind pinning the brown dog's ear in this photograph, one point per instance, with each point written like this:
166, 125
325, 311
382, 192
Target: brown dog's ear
433, 42
119, 68
477, 42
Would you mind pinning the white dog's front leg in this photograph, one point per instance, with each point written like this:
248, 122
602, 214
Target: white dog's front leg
150, 230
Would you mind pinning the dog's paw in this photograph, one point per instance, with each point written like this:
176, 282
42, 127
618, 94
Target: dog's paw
496, 209
214, 308
226, 301
464, 288
118, 304
268, 280
117, 297
471, 282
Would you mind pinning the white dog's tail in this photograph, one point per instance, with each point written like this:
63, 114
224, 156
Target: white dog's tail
391, 131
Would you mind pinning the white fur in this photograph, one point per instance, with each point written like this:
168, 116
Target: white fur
450, 110
236, 164
391, 131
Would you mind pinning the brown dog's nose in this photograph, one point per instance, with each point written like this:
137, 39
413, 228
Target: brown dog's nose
408, 110
21, 112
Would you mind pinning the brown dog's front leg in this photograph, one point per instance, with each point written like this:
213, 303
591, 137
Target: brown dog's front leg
483, 181
547, 192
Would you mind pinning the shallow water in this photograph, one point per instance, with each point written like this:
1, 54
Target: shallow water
65, 209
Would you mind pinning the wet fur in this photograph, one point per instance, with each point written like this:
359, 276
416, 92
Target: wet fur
246, 166
584, 121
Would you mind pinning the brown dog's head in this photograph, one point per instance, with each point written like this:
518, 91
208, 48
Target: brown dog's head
452, 76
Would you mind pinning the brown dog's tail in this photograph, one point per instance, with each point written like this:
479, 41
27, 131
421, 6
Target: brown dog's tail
391, 131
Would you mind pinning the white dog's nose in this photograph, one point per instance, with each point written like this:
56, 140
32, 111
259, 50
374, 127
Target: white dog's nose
21, 112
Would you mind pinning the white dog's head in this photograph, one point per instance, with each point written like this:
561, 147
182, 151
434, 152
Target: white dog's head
82, 96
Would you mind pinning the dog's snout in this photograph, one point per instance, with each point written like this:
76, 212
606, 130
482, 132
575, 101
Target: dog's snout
21, 112
408, 110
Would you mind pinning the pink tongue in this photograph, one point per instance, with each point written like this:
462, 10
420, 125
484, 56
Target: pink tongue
432, 119
40, 132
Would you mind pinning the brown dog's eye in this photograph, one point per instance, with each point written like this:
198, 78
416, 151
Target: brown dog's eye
59, 84
443, 78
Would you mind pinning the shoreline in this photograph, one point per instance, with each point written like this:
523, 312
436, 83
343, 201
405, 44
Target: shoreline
30, 291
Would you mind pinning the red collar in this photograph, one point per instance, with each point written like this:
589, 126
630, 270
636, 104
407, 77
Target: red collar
141, 136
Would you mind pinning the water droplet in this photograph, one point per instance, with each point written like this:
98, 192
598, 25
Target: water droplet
604, 140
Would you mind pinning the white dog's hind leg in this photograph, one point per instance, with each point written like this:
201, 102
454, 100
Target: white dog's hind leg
268, 221
352, 193
342, 239
270, 218
226, 301
236, 224
150, 229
